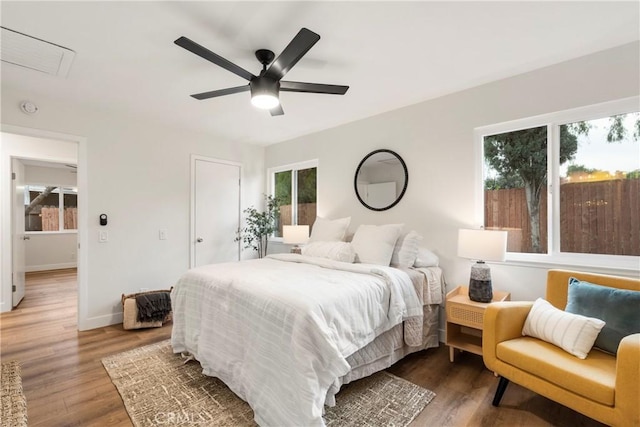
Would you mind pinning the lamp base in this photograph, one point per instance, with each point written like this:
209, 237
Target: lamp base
480, 289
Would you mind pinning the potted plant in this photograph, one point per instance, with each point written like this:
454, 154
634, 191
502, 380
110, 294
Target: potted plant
259, 226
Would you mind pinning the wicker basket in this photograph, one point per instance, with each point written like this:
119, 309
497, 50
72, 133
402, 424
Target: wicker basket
130, 312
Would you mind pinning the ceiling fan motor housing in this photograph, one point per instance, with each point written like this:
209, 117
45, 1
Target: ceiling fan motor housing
264, 86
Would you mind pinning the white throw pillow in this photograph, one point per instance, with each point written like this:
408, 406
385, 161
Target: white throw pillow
337, 251
406, 249
426, 258
573, 333
374, 243
326, 230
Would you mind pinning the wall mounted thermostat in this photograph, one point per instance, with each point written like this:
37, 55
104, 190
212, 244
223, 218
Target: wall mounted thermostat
103, 219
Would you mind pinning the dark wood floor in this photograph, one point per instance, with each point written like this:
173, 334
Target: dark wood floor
66, 385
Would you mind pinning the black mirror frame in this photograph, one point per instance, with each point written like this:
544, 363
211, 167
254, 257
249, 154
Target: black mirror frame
404, 188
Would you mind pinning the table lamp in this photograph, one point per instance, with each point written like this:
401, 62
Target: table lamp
481, 245
295, 235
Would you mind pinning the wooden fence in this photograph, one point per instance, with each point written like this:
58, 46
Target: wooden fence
51, 220
595, 217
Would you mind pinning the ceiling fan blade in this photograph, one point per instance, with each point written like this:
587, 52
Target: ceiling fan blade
301, 43
277, 111
221, 92
286, 86
205, 53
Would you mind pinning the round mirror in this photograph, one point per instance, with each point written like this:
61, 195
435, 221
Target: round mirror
381, 180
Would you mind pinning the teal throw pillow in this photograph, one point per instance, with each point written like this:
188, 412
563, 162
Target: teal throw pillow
619, 308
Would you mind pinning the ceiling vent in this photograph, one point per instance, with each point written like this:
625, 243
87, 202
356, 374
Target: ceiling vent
29, 52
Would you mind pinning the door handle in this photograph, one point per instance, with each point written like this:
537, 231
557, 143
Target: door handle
199, 240
26, 238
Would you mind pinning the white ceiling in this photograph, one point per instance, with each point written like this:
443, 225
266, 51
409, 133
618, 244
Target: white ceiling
392, 54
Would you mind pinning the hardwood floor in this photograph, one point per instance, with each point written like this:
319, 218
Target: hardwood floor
66, 385
63, 378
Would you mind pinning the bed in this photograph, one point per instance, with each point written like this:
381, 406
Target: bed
287, 331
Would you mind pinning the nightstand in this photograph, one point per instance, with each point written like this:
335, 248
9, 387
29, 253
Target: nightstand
463, 327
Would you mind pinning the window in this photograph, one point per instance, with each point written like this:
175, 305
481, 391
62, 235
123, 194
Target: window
50, 208
295, 187
592, 157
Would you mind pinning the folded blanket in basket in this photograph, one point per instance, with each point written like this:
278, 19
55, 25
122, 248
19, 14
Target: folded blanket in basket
153, 306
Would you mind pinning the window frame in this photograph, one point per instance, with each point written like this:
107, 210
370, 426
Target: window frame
293, 167
61, 229
554, 258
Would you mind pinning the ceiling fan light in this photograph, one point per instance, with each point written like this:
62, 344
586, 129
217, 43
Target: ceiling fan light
265, 101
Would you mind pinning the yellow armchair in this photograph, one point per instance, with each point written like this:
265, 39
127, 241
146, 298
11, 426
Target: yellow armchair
603, 386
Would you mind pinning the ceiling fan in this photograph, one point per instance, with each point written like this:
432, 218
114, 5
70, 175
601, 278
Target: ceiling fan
266, 87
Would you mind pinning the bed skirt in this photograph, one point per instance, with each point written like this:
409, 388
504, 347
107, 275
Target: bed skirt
388, 348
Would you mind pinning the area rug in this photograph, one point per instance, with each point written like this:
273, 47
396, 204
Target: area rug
13, 409
158, 387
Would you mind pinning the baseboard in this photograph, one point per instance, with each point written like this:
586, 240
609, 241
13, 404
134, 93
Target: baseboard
45, 267
99, 321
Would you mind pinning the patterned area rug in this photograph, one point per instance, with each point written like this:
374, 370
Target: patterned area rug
13, 411
158, 388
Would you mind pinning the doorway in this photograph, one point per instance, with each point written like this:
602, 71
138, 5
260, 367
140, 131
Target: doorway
45, 223
36, 155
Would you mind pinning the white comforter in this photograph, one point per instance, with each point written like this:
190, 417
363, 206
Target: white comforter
277, 331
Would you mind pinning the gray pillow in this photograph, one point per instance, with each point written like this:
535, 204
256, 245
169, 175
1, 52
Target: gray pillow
619, 308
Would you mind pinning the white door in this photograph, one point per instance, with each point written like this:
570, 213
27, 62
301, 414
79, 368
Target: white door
215, 211
17, 227
381, 194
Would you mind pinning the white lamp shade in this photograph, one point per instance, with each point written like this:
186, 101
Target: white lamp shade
485, 245
295, 234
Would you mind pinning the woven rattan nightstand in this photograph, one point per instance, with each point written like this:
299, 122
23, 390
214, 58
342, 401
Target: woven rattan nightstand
464, 320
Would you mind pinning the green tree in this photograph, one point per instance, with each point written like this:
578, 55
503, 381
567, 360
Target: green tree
579, 168
283, 187
307, 181
633, 174
307, 184
523, 154
503, 182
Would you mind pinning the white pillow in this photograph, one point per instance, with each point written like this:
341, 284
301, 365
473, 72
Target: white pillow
326, 230
406, 249
374, 243
573, 333
426, 258
337, 251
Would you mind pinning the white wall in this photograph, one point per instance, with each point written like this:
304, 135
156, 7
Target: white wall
40, 175
137, 173
50, 251
435, 138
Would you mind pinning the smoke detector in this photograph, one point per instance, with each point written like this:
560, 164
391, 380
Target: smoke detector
28, 107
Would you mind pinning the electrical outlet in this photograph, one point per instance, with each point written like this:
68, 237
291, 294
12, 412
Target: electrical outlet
162, 234
103, 236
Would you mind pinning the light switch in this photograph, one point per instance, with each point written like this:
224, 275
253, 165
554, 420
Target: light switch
103, 236
163, 234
